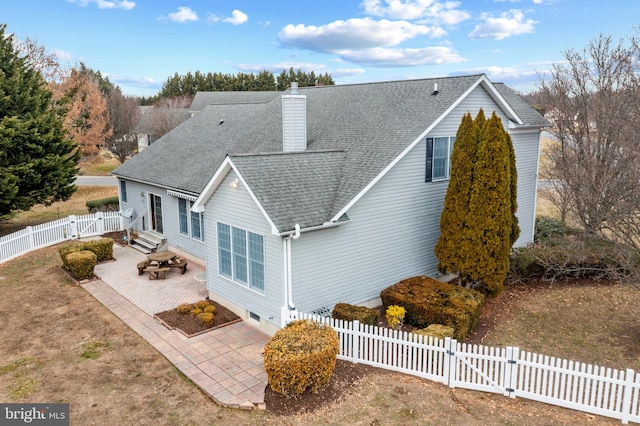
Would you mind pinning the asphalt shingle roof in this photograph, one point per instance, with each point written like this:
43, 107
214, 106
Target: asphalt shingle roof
353, 133
294, 187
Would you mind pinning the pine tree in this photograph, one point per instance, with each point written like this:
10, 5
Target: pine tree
451, 247
490, 210
37, 162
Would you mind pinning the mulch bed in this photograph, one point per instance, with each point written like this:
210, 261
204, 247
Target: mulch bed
190, 326
346, 377
118, 237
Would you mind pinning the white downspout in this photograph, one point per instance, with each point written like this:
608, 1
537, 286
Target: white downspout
289, 271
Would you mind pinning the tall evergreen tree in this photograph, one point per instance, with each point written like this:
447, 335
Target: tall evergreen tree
450, 248
478, 223
515, 226
490, 210
37, 162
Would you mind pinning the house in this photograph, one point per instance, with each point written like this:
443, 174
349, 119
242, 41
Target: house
152, 119
303, 199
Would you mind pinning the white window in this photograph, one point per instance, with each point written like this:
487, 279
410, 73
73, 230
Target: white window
241, 256
123, 191
191, 223
438, 164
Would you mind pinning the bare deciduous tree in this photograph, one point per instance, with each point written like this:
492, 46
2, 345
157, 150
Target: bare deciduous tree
124, 114
38, 58
168, 113
593, 99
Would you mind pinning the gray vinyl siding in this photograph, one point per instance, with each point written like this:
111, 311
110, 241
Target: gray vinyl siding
393, 230
138, 200
526, 145
235, 207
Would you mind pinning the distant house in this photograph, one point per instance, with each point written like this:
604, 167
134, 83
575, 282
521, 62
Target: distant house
318, 195
147, 130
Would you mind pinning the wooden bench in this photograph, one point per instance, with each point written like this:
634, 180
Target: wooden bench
180, 263
156, 273
142, 266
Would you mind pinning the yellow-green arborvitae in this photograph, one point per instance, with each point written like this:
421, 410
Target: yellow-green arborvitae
456, 202
490, 210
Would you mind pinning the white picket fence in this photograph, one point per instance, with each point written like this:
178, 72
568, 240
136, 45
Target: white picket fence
47, 234
508, 371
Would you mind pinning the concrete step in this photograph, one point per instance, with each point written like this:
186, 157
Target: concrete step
139, 247
148, 241
152, 237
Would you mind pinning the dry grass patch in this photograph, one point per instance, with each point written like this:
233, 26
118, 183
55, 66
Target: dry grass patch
596, 322
42, 214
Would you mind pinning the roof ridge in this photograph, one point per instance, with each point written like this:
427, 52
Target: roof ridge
275, 153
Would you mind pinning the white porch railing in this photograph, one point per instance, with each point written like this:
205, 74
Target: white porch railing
47, 234
509, 371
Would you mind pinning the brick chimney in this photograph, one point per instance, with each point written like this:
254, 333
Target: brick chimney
294, 120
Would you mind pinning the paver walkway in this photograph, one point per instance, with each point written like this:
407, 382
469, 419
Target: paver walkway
225, 363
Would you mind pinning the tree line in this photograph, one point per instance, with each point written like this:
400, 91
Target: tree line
186, 85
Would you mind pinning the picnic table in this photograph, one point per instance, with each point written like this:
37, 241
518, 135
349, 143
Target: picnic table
158, 263
163, 258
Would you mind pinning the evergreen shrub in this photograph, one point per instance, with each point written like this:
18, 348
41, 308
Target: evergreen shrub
437, 331
548, 227
206, 318
110, 204
184, 308
102, 248
81, 264
347, 312
301, 357
428, 301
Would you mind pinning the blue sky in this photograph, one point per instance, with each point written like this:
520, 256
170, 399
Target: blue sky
138, 44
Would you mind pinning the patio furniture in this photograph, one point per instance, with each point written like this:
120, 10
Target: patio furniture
156, 273
142, 265
180, 263
164, 258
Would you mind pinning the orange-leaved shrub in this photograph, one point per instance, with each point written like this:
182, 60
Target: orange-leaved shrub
428, 301
301, 357
347, 312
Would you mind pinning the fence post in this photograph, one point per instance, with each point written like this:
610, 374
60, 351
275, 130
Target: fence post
626, 399
511, 371
32, 243
100, 217
449, 361
355, 347
73, 224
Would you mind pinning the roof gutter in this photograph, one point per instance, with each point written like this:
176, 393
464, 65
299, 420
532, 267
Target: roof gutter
325, 225
170, 188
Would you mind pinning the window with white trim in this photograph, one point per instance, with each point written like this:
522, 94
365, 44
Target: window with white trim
438, 164
123, 191
190, 223
241, 256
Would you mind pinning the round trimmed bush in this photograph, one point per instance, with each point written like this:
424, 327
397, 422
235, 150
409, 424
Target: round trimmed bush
301, 357
81, 264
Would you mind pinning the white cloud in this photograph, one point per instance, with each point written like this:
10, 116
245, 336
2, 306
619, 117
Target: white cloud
431, 11
347, 72
184, 14
277, 67
107, 4
63, 55
353, 34
385, 57
508, 24
237, 18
